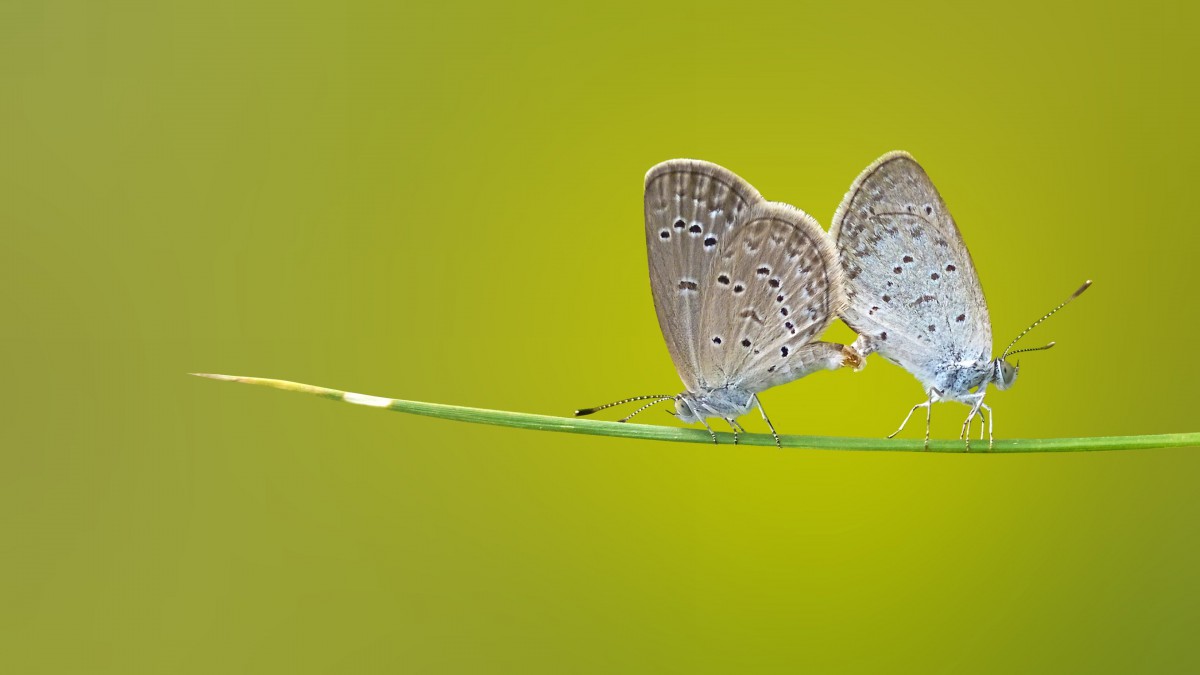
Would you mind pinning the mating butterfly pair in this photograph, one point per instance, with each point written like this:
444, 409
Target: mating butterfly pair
743, 286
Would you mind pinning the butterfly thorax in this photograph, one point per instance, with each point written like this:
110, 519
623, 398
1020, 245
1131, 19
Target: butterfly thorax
723, 402
956, 381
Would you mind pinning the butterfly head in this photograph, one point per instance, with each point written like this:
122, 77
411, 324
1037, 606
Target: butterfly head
685, 410
1004, 374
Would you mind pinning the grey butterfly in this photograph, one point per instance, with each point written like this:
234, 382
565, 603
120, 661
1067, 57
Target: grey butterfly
741, 286
912, 291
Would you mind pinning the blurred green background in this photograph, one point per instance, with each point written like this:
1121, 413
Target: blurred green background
442, 202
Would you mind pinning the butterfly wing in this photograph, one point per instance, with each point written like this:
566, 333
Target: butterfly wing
691, 207
775, 288
910, 283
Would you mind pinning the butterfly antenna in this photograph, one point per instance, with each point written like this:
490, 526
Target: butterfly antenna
1031, 349
589, 411
1076, 294
651, 403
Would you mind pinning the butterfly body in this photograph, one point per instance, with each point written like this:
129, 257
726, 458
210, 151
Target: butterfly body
735, 399
912, 291
742, 287
724, 403
954, 377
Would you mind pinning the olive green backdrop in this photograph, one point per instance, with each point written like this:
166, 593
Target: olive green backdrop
442, 202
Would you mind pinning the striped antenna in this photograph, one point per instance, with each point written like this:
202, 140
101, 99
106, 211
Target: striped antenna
1076, 294
651, 403
1033, 349
589, 411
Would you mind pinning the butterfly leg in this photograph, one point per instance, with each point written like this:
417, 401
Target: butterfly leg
965, 433
907, 417
927, 405
768, 421
736, 428
710, 431
928, 414
982, 421
991, 441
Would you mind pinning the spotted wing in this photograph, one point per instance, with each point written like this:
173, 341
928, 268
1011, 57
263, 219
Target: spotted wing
910, 283
775, 288
691, 207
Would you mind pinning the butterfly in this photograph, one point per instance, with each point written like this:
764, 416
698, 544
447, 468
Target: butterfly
912, 291
742, 287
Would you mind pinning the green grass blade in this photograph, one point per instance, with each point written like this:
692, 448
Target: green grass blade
664, 433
